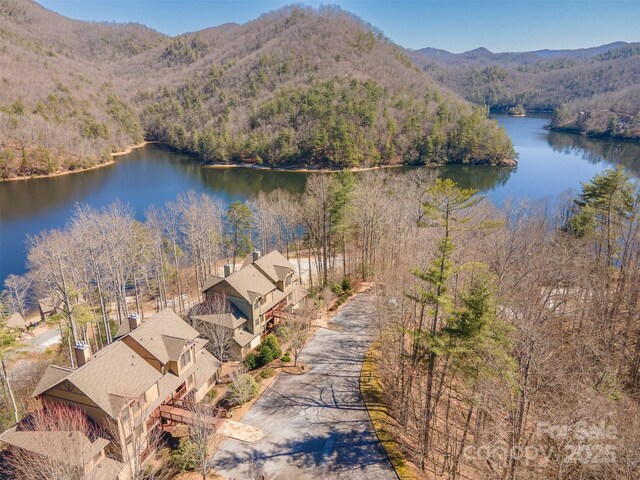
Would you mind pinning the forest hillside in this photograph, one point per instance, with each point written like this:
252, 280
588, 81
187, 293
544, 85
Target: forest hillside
596, 81
296, 86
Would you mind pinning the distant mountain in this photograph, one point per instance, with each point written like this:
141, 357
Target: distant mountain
296, 86
545, 80
483, 56
581, 53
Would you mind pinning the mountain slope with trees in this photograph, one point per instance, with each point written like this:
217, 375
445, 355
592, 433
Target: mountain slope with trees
597, 81
60, 106
296, 86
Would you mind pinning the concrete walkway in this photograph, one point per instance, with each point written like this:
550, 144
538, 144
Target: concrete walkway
315, 425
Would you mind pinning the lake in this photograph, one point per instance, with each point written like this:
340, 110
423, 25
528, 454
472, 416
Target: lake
550, 163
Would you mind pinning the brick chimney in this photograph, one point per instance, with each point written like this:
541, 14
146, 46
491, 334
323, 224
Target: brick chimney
83, 353
134, 321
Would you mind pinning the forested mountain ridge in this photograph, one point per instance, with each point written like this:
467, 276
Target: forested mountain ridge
296, 86
60, 106
579, 81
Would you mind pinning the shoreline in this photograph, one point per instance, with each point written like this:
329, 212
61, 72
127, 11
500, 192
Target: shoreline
512, 164
126, 151
223, 166
509, 163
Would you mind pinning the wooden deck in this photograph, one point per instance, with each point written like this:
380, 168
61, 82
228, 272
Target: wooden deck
181, 415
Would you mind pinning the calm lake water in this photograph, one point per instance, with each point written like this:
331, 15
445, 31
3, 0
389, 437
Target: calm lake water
549, 164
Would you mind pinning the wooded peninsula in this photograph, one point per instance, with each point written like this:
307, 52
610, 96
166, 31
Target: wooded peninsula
296, 87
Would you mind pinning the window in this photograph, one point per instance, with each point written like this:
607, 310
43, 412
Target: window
125, 417
185, 358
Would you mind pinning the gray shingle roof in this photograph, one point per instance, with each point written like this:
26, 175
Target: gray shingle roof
250, 283
73, 447
113, 376
52, 376
207, 365
232, 320
243, 338
274, 265
16, 321
166, 323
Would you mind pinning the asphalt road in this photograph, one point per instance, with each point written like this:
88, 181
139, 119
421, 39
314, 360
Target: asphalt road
315, 425
44, 340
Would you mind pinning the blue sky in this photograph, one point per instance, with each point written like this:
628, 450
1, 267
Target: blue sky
454, 25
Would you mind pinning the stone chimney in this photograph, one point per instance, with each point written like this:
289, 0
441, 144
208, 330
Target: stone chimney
227, 270
83, 353
256, 255
134, 321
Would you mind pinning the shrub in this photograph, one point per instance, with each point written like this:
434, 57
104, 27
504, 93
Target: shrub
283, 331
286, 358
272, 342
251, 361
267, 373
336, 288
184, 458
242, 389
346, 285
211, 396
268, 351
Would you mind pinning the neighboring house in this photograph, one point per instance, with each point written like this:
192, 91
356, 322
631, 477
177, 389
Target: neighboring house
123, 387
75, 449
258, 296
48, 306
16, 320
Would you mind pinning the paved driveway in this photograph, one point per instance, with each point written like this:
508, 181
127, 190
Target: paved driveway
315, 425
42, 341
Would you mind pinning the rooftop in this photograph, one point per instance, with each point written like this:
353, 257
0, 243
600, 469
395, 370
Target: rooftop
164, 336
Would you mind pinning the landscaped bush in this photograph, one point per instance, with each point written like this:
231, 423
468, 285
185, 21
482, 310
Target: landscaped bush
268, 350
184, 458
267, 373
251, 361
286, 358
242, 389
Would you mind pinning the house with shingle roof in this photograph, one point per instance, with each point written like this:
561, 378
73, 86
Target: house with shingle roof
259, 294
15, 320
121, 387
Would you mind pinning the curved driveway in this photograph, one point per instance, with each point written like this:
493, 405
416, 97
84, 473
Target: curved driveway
315, 425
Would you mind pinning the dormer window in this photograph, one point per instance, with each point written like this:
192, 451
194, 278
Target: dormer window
185, 358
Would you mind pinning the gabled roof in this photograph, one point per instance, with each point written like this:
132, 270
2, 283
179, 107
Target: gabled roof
153, 335
113, 376
53, 375
243, 338
110, 379
16, 321
233, 319
73, 447
174, 346
207, 365
211, 281
255, 279
250, 283
49, 304
116, 374
274, 265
